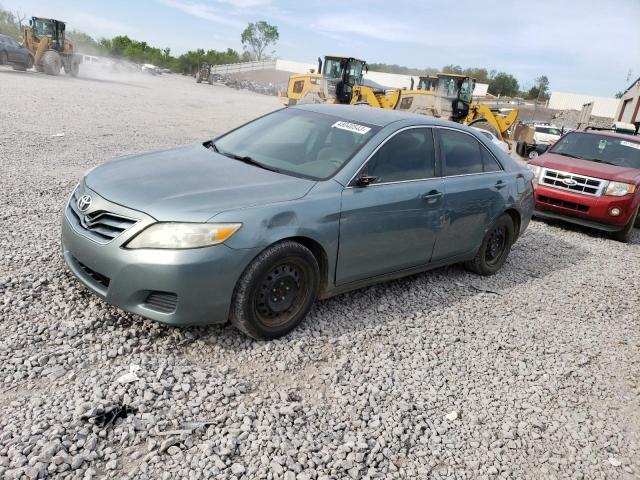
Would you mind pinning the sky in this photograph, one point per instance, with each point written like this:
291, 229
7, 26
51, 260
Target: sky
582, 46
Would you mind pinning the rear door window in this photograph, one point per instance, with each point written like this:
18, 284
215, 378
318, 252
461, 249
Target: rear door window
461, 153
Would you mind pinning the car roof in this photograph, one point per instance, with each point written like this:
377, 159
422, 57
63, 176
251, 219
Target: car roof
373, 116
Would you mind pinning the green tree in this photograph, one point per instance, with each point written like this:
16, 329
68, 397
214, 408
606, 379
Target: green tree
457, 69
540, 88
8, 24
399, 69
503, 84
257, 37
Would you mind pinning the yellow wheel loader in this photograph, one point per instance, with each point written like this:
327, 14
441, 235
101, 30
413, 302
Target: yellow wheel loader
448, 96
45, 39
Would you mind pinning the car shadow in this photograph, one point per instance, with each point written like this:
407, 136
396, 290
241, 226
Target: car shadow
429, 291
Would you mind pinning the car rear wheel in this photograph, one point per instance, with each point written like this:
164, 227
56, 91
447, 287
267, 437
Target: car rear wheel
624, 235
495, 247
276, 291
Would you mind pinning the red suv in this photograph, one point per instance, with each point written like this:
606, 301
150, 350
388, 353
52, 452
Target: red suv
591, 178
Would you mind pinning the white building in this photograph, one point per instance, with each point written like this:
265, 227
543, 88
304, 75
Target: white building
602, 106
629, 105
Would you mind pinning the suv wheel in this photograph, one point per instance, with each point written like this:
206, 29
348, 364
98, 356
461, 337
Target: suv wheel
276, 291
624, 235
495, 247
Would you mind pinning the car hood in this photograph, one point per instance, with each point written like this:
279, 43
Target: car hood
586, 167
190, 183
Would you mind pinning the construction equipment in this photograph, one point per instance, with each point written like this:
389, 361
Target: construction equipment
204, 74
45, 39
448, 96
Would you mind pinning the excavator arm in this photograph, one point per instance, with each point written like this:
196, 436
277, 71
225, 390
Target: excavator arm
500, 123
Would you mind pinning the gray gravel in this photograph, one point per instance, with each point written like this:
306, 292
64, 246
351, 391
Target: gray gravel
533, 373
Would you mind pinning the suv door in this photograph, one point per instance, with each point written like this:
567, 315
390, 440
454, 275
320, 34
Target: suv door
475, 192
391, 224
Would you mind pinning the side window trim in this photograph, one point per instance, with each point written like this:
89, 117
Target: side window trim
350, 183
440, 155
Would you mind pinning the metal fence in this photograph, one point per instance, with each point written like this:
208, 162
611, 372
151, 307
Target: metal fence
243, 67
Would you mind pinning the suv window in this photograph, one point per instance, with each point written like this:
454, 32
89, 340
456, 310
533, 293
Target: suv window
464, 155
408, 155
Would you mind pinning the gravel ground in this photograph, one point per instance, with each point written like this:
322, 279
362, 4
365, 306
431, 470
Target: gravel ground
532, 373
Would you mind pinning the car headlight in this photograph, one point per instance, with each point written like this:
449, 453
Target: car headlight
180, 236
618, 189
536, 169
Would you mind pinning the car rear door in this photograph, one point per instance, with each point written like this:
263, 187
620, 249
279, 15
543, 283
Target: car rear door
391, 224
475, 192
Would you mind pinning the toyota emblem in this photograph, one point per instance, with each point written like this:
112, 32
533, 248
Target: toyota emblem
84, 203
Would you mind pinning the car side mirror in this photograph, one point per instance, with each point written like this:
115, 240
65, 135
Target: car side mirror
365, 180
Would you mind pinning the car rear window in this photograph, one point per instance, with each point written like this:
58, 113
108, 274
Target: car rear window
548, 130
299, 142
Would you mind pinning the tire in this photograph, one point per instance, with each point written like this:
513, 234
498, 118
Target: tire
3, 58
287, 269
495, 247
51, 62
29, 64
75, 69
624, 235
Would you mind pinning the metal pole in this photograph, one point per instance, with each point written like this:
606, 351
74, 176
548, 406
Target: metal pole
535, 107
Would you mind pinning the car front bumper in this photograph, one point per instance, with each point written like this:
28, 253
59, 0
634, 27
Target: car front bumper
586, 210
176, 287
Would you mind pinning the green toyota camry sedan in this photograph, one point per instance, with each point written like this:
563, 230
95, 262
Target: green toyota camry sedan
306, 202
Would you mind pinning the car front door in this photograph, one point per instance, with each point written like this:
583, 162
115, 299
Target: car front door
475, 189
391, 223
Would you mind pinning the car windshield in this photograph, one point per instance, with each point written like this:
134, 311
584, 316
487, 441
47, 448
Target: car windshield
600, 148
548, 130
297, 142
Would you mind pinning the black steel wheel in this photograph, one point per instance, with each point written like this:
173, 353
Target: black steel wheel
276, 291
495, 247
496, 244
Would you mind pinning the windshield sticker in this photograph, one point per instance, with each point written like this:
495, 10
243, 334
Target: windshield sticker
630, 144
351, 127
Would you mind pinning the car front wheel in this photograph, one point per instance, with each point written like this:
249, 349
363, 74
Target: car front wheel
495, 247
276, 291
624, 235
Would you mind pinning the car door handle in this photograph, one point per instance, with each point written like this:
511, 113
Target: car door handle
432, 196
500, 184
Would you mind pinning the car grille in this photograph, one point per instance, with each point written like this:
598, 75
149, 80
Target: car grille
162, 301
101, 226
97, 277
573, 182
556, 202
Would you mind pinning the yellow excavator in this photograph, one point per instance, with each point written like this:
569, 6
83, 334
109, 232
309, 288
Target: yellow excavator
45, 39
449, 96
